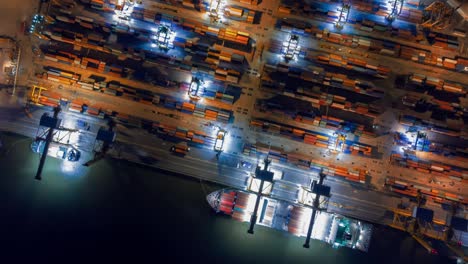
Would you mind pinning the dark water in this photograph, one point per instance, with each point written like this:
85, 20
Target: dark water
117, 211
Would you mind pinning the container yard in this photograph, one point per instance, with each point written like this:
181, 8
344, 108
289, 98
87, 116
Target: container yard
367, 97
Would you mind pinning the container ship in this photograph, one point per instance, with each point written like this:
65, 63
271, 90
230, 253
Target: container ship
330, 228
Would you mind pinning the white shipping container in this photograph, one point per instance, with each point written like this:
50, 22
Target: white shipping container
422, 188
436, 168
54, 37
453, 89
401, 183
234, 12
364, 42
450, 61
50, 58
416, 80
64, 19
87, 87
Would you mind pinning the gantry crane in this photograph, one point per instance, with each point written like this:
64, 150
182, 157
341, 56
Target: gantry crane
344, 10
102, 144
36, 93
318, 189
194, 89
420, 223
437, 15
164, 37
291, 47
216, 8
264, 176
341, 138
397, 6
50, 130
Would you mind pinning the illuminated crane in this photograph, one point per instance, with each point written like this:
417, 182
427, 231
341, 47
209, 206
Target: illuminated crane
340, 142
216, 10
102, 144
437, 15
51, 131
291, 48
262, 176
396, 8
164, 38
194, 89
344, 10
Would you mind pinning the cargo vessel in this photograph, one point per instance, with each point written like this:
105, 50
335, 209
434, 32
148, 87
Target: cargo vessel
330, 228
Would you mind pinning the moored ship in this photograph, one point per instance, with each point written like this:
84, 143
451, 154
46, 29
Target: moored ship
331, 228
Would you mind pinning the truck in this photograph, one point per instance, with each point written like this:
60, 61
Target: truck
218, 146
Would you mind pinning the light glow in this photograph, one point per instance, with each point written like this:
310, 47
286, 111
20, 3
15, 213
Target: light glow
220, 139
254, 186
306, 197
291, 48
196, 86
277, 174
68, 166
164, 37
303, 221
216, 10
250, 207
321, 226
